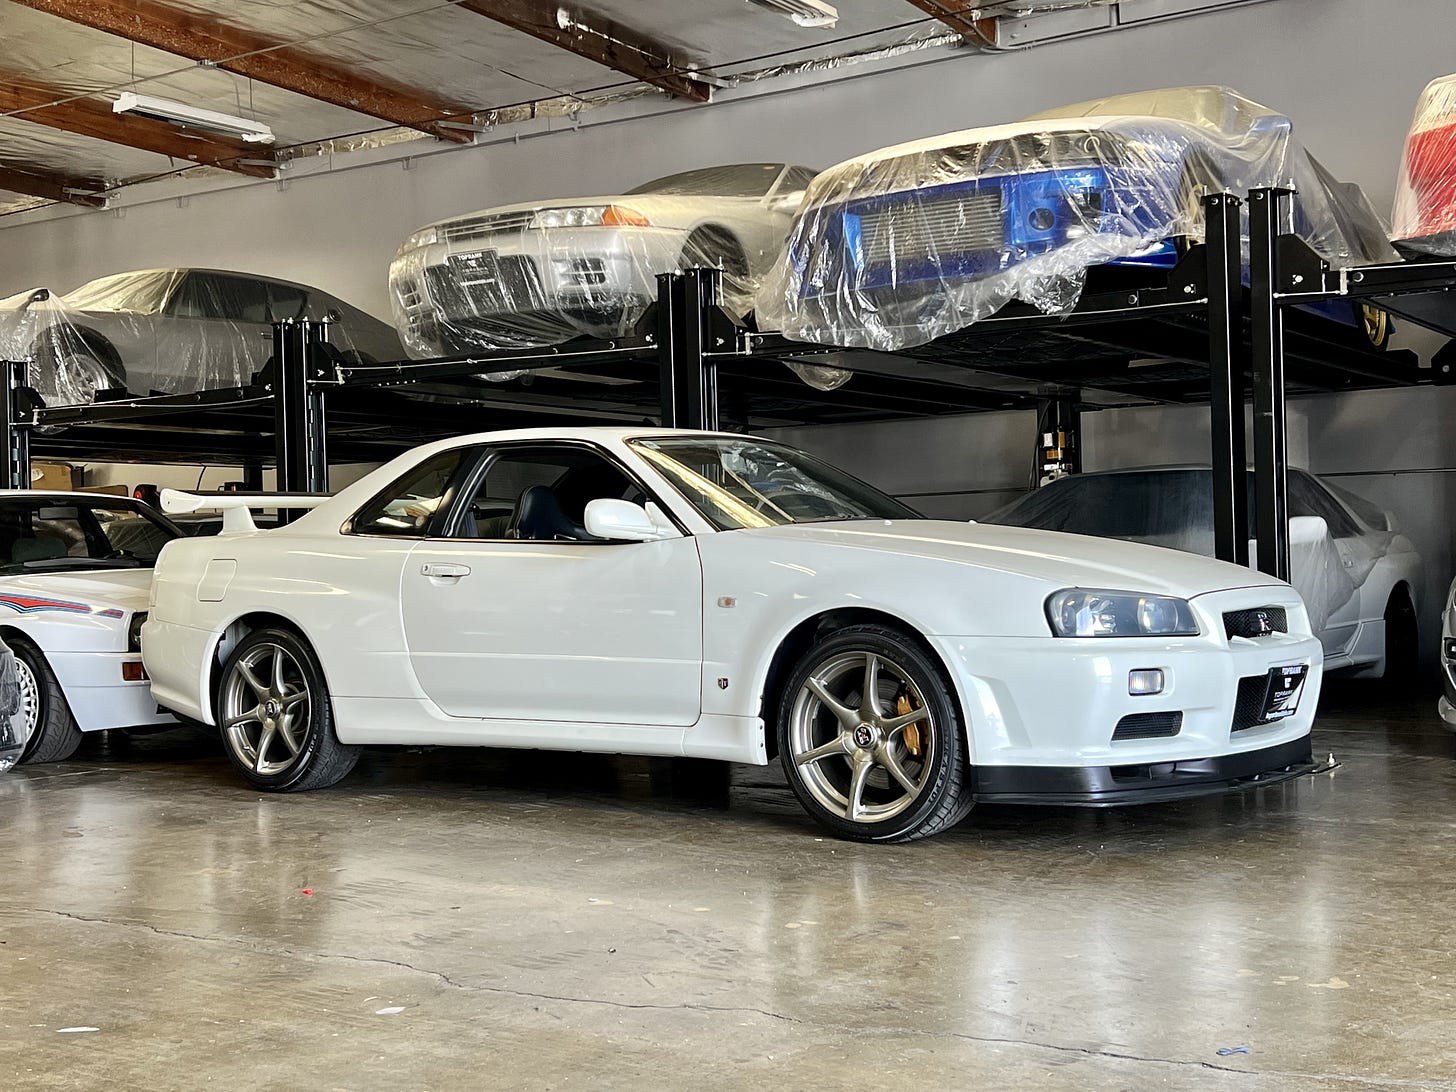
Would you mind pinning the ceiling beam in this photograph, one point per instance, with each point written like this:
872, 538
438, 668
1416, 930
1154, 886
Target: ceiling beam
962, 16
597, 39
246, 53
94, 117
53, 187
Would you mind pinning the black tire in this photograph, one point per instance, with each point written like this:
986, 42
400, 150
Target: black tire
280, 720
1402, 640
716, 248
90, 362
55, 735
934, 762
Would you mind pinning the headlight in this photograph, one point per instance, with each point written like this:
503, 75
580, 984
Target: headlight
590, 216
134, 631
1082, 612
424, 237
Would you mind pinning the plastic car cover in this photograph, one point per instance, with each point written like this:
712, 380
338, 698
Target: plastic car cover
909, 243
14, 732
543, 272
1425, 196
167, 330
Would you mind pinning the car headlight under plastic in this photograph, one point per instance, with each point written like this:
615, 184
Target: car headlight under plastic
424, 237
590, 216
1084, 612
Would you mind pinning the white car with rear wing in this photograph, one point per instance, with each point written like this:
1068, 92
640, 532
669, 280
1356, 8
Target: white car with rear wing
674, 593
75, 574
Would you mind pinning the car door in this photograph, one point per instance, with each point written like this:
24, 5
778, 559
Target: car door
515, 613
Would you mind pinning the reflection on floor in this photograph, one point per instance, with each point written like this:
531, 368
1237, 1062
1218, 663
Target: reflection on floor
449, 919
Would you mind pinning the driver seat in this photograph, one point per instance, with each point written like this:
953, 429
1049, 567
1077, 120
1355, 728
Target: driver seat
538, 516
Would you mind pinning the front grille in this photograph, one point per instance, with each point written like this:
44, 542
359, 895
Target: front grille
932, 227
1249, 705
485, 284
1148, 726
476, 227
1255, 622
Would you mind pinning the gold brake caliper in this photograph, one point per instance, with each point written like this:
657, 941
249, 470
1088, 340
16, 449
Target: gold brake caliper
904, 704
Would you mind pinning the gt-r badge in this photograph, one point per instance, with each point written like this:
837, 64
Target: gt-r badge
722, 683
1263, 621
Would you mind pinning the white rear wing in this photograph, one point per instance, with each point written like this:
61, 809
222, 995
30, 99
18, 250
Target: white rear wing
236, 508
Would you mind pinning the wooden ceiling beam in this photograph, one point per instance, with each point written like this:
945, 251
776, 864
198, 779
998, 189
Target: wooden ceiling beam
597, 39
246, 53
94, 117
961, 16
52, 186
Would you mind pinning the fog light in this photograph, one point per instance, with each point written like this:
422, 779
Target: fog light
1146, 680
133, 671
1042, 219
1450, 648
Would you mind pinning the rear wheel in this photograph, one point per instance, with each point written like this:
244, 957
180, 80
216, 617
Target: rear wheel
53, 731
275, 717
870, 737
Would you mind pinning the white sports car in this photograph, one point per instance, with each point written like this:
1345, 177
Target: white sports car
74, 574
662, 592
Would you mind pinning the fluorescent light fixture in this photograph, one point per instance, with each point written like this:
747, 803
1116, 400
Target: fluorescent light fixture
807, 13
192, 117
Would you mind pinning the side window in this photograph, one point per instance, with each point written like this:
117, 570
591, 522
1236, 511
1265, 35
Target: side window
410, 503
1308, 498
541, 492
286, 302
214, 296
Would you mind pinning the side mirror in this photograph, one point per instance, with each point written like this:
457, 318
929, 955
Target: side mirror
1307, 528
623, 521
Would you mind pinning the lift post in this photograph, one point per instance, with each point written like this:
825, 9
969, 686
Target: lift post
14, 433
298, 408
1226, 378
689, 379
1267, 211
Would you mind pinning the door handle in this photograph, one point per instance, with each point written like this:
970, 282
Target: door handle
437, 570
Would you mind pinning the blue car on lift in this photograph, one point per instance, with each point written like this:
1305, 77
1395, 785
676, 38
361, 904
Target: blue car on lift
908, 243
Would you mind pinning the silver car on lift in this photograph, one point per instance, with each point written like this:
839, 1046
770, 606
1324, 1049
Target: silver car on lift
169, 330
541, 272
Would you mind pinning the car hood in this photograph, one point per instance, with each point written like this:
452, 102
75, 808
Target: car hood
1054, 558
643, 202
98, 589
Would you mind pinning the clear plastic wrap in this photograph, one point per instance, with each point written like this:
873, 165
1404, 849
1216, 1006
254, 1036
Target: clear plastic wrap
14, 729
1425, 196
906, 244
1331, 554
545, 271
168, 330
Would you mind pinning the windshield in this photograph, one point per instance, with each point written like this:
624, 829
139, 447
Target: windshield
754, 483
144, 292
737, 180
54, 534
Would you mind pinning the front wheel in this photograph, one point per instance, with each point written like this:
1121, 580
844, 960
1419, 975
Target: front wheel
53, 732
871, 740
275, 717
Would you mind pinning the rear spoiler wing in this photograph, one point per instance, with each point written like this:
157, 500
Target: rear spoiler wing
236, 508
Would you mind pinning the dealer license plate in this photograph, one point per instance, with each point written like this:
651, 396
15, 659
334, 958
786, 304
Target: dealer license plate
1286, 684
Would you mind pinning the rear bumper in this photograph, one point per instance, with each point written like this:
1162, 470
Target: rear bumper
1112, 786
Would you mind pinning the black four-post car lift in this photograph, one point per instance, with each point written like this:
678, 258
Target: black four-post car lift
1194, 334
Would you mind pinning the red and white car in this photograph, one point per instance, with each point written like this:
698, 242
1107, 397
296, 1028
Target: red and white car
1425, 201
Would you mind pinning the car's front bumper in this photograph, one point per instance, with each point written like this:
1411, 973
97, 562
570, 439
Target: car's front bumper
1143, 783
99, 695
1052, 718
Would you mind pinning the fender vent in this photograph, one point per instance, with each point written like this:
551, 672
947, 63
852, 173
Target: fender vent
1148, 726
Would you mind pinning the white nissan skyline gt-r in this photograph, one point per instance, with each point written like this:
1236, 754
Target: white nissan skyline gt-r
74, 575
662, 592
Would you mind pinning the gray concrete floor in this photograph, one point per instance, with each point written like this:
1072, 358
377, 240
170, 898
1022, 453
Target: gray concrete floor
487, 919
